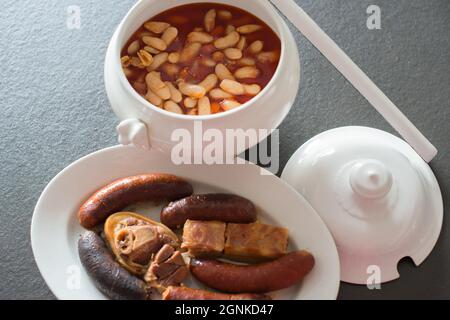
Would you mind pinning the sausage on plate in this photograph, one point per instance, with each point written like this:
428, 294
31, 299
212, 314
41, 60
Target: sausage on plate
108, 276
259, 278
123, 192
209, 207
184, 293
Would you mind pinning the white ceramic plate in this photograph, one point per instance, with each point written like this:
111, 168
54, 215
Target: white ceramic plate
55, 229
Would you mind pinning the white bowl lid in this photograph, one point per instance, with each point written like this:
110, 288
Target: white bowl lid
379, 199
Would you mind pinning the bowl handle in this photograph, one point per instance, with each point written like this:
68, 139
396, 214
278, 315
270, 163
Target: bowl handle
133, 132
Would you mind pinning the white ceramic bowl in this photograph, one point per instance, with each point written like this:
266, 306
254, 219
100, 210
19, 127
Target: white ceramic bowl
265, 111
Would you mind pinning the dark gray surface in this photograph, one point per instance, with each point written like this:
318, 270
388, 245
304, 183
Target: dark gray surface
54, 109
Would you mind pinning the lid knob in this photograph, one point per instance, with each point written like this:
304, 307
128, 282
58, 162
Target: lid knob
370, 179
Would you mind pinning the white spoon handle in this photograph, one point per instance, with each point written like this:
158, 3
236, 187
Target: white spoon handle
357, 78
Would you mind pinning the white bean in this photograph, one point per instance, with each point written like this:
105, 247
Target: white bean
192, 90
145, 57
223, 73
174, 57
175, 94
136, 62
242, 43
209, 82
133, 47
193, 112
252, 89
210, 20
268, 57
204, 106
230, 104
219, 94
173, 107
246, 62
256, 47
248, 72
190, 51
153, 98
233, 53
154, 42
201, 37
151, 50
228, 41
229, 29
169, 35
155, 84
249, 28
156, 74
210, 63
158, 61
190, 103
232, 87
156, 26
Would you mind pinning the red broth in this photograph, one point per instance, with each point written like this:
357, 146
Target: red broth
189, 18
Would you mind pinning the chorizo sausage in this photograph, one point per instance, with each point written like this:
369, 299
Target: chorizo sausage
184, 293
121, 193
108, 276
260, 278
208, 207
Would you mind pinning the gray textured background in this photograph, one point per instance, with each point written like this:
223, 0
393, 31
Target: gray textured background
54, 109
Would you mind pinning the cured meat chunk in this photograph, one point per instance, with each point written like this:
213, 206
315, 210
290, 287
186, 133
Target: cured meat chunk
255, 241
204, 238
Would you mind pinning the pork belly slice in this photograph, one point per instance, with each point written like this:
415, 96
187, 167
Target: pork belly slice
255, 241
204, 238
